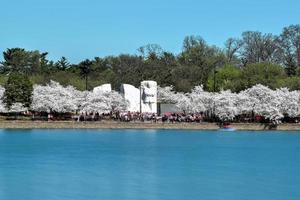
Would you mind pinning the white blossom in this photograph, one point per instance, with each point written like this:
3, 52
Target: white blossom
289, 102
245, 103
17, 107
103, 102
55, 98
183, 102
2, 105
266, 102
166, 94
225, 105
201, 101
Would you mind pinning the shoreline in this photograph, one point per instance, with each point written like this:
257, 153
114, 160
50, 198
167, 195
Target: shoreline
137, 125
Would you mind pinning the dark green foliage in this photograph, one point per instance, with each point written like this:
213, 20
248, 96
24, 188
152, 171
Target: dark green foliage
18, 89
85, 68
262, 73
237, 79
22, 61
198, 60
227, 77
292, 83
62, 64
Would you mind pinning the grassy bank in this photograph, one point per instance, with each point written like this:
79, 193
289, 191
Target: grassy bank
137, 125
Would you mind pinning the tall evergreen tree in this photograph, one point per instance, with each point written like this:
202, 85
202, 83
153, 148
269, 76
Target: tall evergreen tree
85, 70
18, 89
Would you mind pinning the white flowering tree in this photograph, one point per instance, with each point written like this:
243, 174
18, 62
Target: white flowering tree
183, 102
17, 108
225, 105
266, 102
259, 99
2, 105
289, 102
116, 101
245, 103
201, 101
180, 100
103, 102
55, 98
166, 94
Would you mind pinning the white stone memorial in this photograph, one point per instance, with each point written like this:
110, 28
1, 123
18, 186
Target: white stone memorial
102, 88
148, 97
132, 95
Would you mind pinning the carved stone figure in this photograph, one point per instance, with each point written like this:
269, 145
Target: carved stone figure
148, 96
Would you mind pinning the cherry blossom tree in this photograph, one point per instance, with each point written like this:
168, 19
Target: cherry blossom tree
55, 98
289, 102
104, 102
259, 99
166, 94
266, 102
2, 105
183, 102
201, 101
17, 108
225, 105
245, 103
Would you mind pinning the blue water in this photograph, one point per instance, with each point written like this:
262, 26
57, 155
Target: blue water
148, 164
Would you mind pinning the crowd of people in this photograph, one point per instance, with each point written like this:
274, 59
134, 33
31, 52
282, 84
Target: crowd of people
140, 117
168, 117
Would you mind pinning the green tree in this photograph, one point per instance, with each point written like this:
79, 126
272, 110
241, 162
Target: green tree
289, 43
100, 65
85, 70
127, 69
22, 61
293, 83
62, 64
264, 73
18, 89
201, 58
225, 78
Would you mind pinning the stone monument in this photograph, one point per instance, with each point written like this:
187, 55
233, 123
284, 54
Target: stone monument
132, 95
102, 88
148, 96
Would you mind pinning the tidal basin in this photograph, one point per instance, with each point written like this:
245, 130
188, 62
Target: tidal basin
81, 164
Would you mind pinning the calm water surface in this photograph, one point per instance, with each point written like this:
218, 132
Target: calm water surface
148, 164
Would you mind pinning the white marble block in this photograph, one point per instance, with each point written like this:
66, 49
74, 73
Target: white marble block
132, 95
102, 88
148, 97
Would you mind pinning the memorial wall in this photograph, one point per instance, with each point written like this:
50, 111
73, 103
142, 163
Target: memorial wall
142, 99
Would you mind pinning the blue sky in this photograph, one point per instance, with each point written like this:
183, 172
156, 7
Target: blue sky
79, 29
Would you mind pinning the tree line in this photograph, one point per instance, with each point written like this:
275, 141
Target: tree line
253, 58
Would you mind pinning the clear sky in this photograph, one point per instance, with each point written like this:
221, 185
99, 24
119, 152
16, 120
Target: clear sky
79, 29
